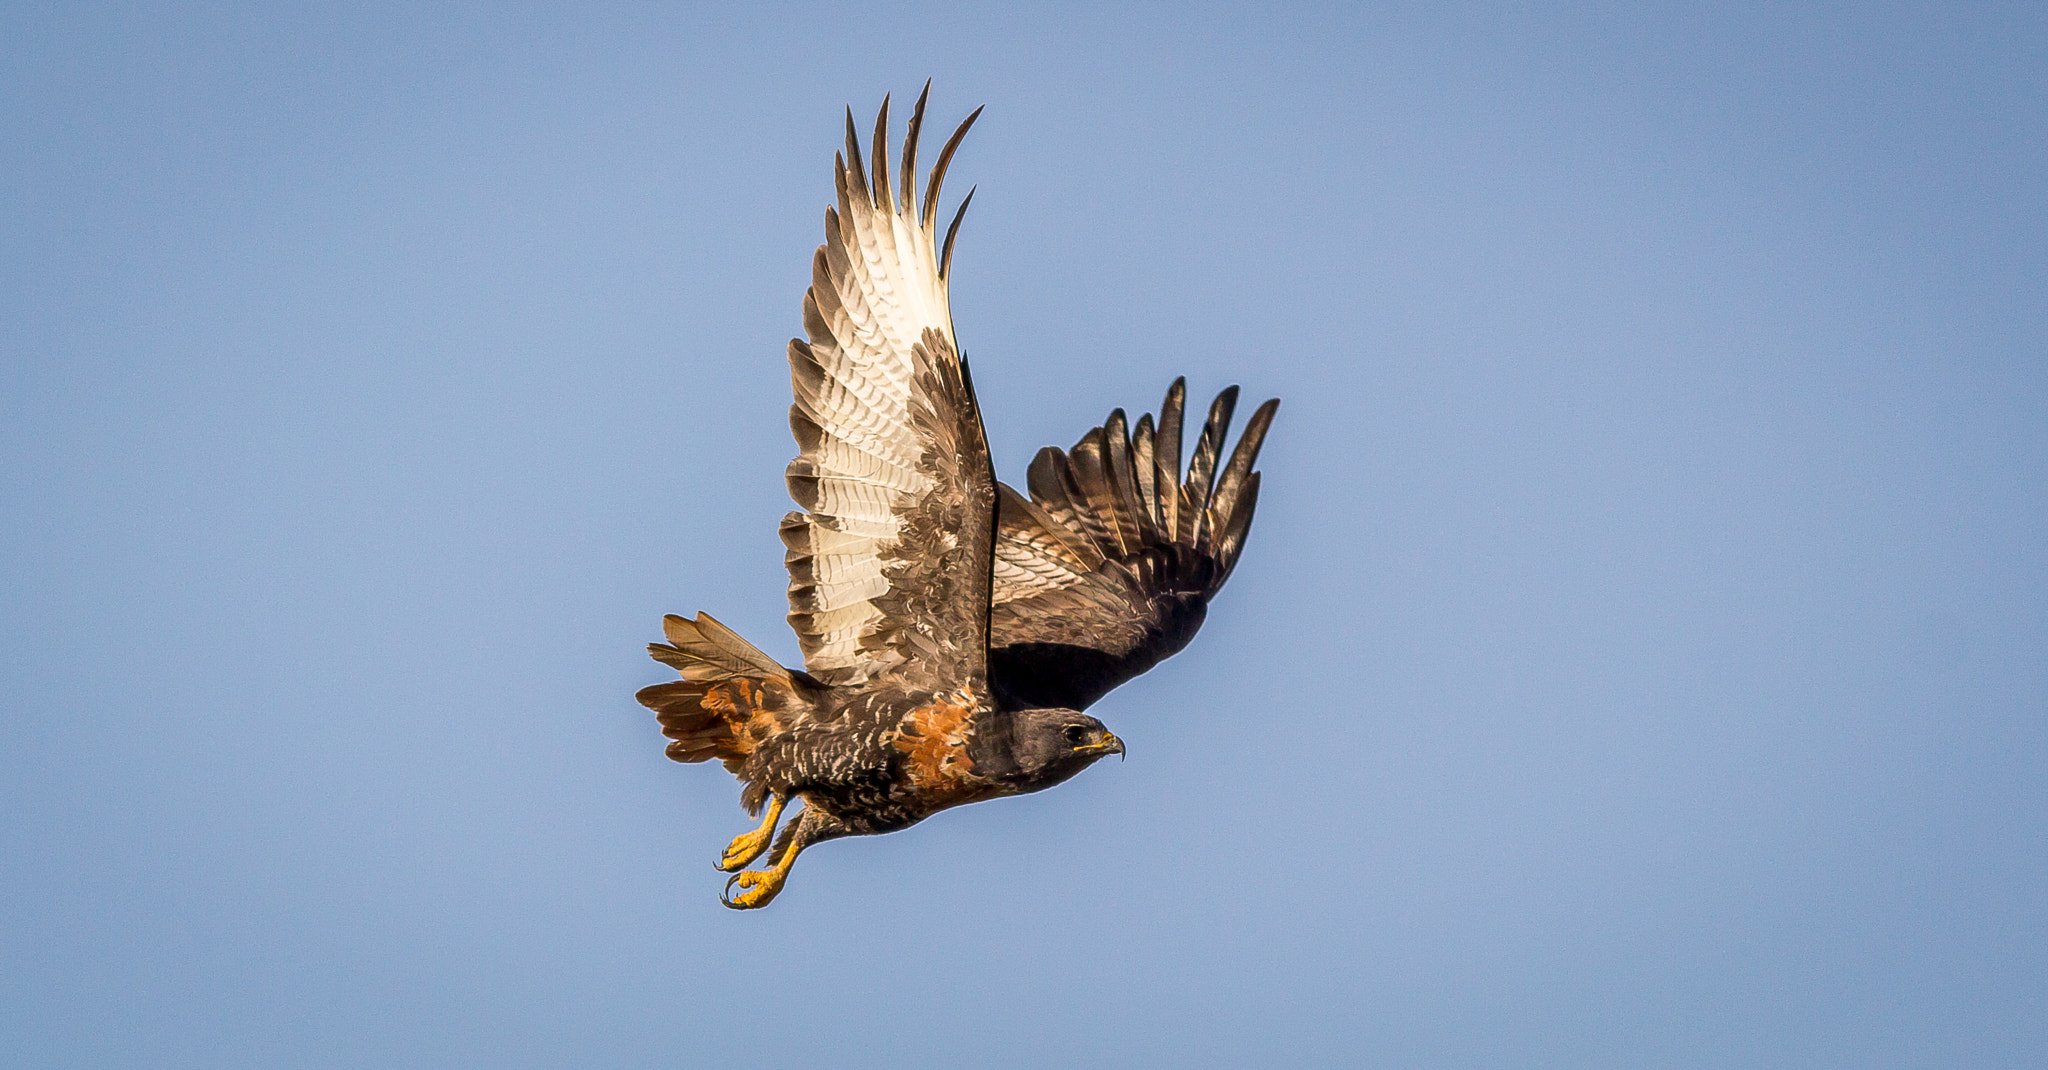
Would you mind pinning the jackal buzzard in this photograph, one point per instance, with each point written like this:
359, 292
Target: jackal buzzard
952, 628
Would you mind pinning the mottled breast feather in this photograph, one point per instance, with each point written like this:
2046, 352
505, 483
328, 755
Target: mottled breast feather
933, 739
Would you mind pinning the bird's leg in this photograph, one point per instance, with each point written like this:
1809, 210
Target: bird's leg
748, 846
758, 886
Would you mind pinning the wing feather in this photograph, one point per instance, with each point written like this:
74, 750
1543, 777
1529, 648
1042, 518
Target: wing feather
1108, 567
889, 561
1202, 466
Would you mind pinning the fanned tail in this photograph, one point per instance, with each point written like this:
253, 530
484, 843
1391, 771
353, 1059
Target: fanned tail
730, 698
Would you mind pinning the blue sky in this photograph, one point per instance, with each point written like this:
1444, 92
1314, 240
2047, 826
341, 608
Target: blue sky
1639, 658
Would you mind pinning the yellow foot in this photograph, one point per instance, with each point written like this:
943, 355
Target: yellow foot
744, 848
748, 846
757, 887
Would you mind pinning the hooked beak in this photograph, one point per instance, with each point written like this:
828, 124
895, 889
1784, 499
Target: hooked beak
1109, 744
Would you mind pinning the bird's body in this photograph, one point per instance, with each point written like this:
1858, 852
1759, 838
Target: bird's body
953, 629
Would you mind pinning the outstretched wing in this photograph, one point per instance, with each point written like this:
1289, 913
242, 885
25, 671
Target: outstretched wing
889, 564
1108, 568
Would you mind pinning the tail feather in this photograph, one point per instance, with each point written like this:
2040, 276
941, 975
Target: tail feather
728, 698
705, 650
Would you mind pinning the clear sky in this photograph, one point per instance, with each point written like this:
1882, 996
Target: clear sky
1640, 659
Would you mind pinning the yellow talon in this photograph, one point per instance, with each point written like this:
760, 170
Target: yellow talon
748, 846
758, 886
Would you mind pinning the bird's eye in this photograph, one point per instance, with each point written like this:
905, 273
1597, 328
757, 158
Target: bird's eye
1077, 733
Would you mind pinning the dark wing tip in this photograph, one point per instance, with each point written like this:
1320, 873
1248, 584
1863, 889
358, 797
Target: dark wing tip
1236, 488
909, 176
881, 151
850, 165
1202, 466
930, 213
1231, 543
946, 255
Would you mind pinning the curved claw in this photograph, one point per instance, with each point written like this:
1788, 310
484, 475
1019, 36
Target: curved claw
743, 849
748, 846
757, 887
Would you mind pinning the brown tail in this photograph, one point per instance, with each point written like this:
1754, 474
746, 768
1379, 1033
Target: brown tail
729, 697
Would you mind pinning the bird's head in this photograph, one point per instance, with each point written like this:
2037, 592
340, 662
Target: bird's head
1031, 750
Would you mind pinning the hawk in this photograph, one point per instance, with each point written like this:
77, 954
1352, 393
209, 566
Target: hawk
953, 629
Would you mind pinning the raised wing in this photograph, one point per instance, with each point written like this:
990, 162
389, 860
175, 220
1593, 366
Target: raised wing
1108, 568
889, 564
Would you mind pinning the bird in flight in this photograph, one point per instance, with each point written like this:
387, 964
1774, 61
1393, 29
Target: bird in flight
953, 629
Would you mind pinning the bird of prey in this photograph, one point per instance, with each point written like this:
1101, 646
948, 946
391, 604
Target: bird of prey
953, 629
